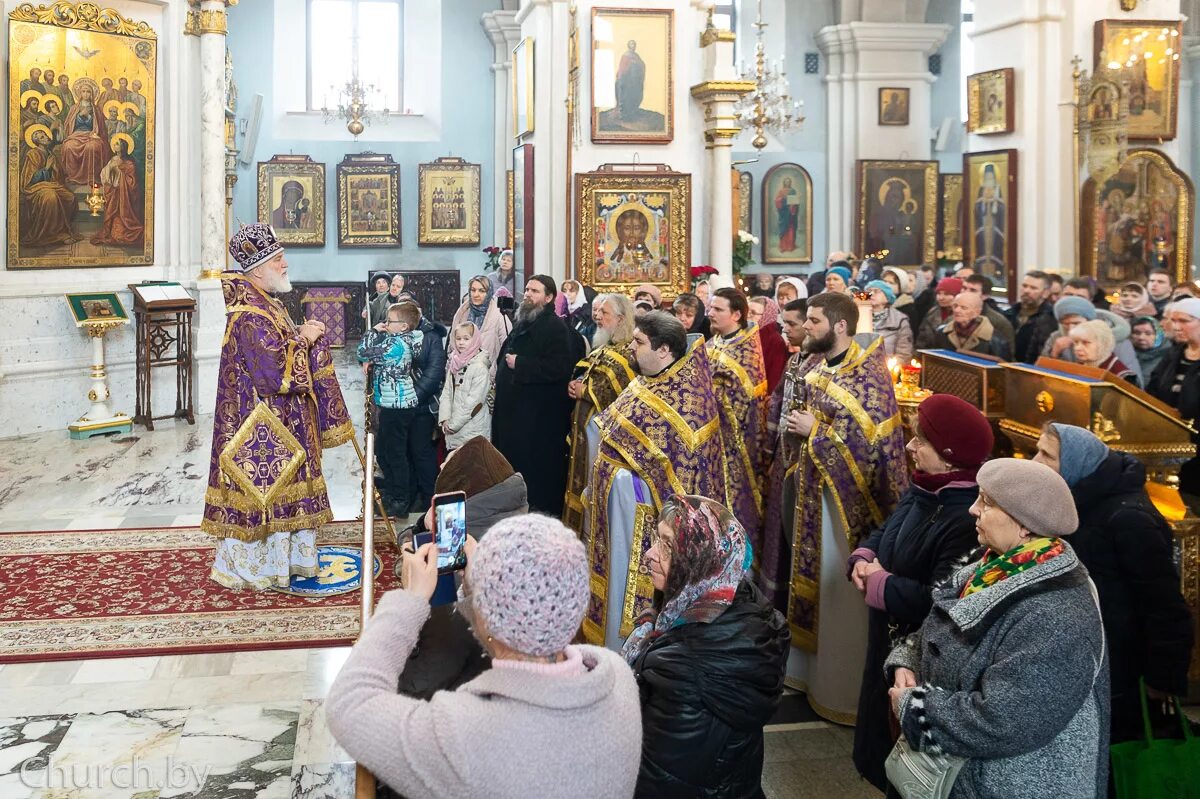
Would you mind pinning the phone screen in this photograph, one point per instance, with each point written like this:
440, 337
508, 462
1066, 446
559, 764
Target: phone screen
450, 529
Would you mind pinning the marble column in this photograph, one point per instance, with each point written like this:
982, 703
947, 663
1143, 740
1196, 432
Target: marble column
862, 58
503, 31
718, 94
210, 22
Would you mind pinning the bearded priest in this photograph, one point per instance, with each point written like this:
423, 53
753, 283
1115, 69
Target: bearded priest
599, 380
278, 405
850, 473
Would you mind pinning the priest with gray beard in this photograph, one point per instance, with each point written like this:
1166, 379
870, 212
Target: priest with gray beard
532, 413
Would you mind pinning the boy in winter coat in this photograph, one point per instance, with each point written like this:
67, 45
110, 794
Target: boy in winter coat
464, 411
390, 347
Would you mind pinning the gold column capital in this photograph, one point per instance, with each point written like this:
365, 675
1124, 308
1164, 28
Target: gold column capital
210, 20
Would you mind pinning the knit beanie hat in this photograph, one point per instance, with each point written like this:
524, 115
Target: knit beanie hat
956, 429
1072, 305
529, 583
473, 468
1080, 453
949, 285
1032, 493
887, 290
841, 272
902, 278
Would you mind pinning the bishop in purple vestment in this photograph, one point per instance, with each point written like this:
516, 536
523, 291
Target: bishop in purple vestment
278, 405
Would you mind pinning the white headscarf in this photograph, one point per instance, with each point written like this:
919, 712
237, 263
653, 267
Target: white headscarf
794, 282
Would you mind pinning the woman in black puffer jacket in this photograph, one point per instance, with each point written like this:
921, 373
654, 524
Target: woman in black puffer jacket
709, 663
896, 566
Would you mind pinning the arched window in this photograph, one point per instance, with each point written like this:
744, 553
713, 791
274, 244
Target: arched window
349, 36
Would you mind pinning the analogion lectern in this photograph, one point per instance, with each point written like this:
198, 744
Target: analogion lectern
98, 313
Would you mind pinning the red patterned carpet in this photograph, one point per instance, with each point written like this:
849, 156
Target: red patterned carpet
119, 593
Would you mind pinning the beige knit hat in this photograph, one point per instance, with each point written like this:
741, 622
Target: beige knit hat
1032, 493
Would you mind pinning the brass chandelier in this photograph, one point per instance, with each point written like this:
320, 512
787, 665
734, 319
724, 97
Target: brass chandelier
770, 107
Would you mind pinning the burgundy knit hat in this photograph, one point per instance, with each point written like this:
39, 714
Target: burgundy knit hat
956, 429
949, 285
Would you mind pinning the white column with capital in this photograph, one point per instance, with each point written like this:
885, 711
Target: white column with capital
717, 95
502, 29
212, 27
862, 58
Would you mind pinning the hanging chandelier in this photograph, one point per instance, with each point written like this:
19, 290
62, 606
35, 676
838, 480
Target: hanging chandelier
354, 106
770, 107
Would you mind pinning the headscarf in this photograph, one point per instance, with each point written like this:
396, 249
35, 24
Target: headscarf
1080, 452
794, 282
709, 557
1159, 335
580, 298
1149, 358
770, 315
1128, 308
652, 290
476, 313
458, 360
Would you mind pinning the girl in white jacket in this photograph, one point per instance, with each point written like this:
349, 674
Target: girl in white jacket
464, 410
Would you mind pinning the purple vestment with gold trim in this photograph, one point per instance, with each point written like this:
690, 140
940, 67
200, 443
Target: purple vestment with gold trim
740, 381
263, 357
665, 430
856, 449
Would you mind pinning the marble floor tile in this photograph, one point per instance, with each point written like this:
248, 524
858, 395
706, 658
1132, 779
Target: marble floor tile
171, 667
323, 667
90, 698
19, 675
238, 750
25, 746
324, 781
115, 754
235, 689
315, 744
270, 661
115, 670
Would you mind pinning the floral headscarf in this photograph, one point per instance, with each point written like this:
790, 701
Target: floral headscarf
770, 314
709, 557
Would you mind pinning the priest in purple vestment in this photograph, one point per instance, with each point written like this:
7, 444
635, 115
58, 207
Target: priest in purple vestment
278, 405
850, 473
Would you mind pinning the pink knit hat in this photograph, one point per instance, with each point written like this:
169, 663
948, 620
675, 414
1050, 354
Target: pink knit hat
529, 583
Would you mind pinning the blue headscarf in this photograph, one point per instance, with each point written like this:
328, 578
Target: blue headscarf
476, 313
1080, 453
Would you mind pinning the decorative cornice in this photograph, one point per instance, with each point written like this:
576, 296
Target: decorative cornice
712, 89
82, 16
858, 37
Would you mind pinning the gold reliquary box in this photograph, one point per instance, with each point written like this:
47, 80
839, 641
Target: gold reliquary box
976, 379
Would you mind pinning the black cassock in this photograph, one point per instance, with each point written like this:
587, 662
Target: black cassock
532, 414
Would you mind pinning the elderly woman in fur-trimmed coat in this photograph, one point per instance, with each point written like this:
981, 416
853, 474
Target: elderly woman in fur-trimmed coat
1009, 670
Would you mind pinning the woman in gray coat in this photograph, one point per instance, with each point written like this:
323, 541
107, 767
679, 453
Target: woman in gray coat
1009, 669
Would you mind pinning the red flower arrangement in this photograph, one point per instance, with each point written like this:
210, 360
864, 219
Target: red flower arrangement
493, 257
702, 270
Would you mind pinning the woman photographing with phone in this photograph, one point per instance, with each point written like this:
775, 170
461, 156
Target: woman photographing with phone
547, 719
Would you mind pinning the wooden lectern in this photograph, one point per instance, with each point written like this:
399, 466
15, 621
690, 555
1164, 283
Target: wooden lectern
164, 338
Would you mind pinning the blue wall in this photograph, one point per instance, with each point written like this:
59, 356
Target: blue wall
467, 122
806, 147
946, 92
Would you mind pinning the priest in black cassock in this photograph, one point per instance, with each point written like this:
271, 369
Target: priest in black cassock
533, 410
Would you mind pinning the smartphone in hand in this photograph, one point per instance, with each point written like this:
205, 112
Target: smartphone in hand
450, 530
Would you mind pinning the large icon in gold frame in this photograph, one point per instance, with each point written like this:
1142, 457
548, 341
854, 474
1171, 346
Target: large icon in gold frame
633, 87
291, 199
633, 227
897, 211
368, 201
448, 203
81, 102
1137, 220
990, 212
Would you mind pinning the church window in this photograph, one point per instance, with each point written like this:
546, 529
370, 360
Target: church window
355, 37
